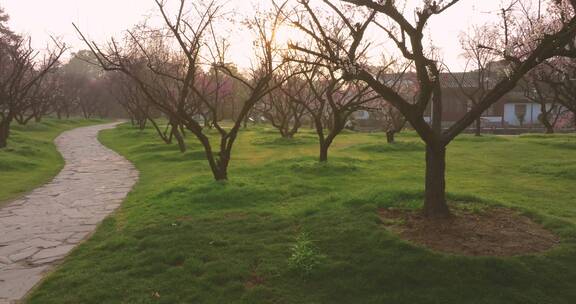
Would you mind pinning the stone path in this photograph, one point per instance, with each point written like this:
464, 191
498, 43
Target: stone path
40, 229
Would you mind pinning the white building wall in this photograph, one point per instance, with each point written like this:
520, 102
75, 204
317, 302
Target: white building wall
492, 119
362, 114
531, 117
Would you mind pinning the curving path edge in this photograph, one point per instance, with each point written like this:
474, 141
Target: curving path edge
38, 230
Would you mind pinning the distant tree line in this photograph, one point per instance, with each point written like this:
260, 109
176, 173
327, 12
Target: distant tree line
25, 79
36, 83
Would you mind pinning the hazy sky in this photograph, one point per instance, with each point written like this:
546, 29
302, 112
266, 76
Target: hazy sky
101, 19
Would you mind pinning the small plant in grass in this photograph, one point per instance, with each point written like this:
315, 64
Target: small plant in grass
305, 257
474, 207
392, 222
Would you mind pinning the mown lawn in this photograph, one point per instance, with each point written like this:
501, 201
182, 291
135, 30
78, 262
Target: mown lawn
31, 158
182, 238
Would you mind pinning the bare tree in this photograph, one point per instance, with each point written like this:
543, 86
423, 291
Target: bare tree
40, 101
129, 96
331, 103
481, 69
283, 107
399, 77
522, 48
186, 94
141, 110
391, 119
62, 106
21, 70
558, 77
540, 87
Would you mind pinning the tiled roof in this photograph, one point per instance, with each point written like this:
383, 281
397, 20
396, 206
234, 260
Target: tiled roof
448, 80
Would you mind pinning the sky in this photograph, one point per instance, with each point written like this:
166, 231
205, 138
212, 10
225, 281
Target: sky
102, 19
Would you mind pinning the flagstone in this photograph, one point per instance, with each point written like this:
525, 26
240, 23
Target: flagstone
40, 229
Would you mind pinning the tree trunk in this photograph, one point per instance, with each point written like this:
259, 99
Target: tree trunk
218, 167
292, 132
142, 123
435, 205
179, 138
245, 122
221, 174
221, 171
326, 143
4, 133
3, 140
324, 152
390, 137
545, 119
285, 133
478, 127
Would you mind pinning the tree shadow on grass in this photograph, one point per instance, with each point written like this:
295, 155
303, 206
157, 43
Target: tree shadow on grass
222, 196
480, 139
277, 141
7, 165
391, 148
565, 169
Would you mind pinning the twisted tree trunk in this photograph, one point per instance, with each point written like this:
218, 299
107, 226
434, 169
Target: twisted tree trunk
179, 138
545, 119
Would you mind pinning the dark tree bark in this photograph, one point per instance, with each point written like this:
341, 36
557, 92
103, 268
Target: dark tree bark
327, 140
545, 118
324, 147
179, 138
478, 130
390, 136
435, 195
4, 132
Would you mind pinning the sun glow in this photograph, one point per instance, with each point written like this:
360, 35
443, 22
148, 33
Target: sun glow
286, 35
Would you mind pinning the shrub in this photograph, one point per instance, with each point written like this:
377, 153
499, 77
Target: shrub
305, 257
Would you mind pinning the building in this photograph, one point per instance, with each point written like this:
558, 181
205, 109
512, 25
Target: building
513, 110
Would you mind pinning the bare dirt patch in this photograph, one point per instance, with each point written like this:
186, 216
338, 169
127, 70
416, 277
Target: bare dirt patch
489, 232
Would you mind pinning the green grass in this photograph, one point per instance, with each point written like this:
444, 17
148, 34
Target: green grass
182, 238
31, 158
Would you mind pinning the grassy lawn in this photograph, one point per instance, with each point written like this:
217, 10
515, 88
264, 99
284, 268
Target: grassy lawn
31, 158
182, 238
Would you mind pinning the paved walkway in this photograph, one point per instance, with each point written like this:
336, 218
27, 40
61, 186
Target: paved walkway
40, 229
